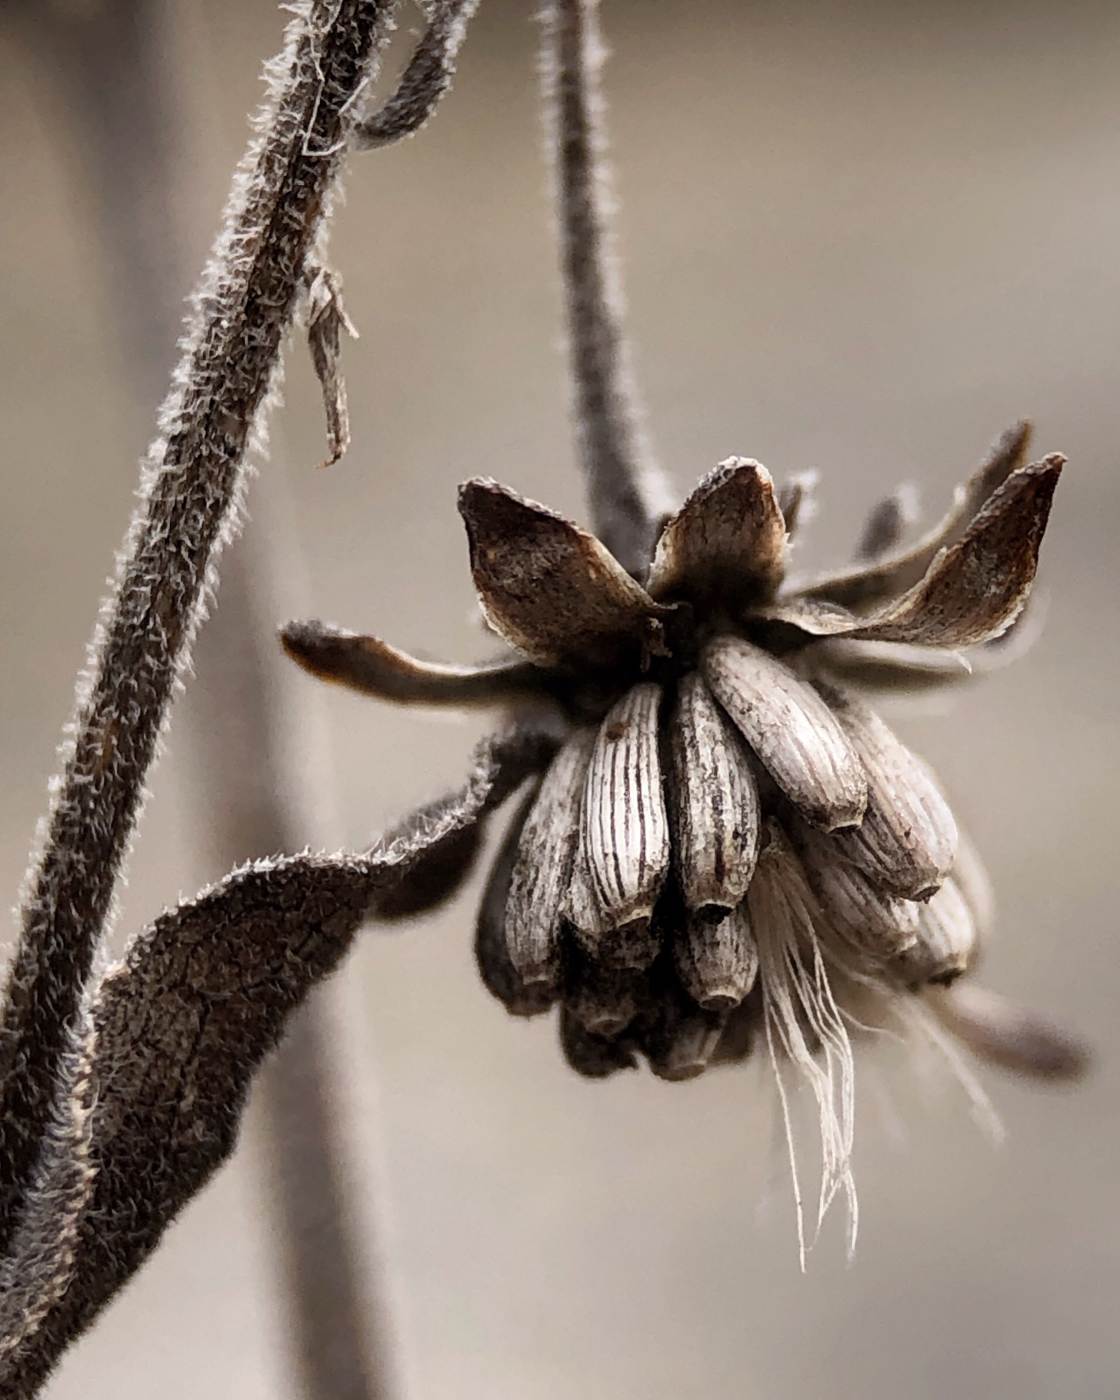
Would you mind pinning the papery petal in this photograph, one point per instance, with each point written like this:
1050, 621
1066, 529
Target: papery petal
973, 590
549, 588
716, 961
866, 918
624, 827
373, 667
894, 573
491, 951
907, 842
727, 541
542, 868
593, 1056
790, 729
1012, 1037
945, 944
713, 801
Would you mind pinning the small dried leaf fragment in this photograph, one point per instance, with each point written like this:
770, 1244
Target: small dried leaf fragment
907, 842
716, 961
549, 588
373, 667
714, 801
542, 871
624, 827
728, 540
1013, 1037
326, 318
790, 729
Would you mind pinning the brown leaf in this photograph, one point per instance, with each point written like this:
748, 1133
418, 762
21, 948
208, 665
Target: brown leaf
549, 588
727, 542
326, 319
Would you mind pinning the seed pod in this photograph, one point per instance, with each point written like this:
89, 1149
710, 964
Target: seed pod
908, 839
604, 1000
491, 951
716, 960
624, 829
714, 802
593, 1056
543, 868
791, 729
865, 918
945, 944
680, 1039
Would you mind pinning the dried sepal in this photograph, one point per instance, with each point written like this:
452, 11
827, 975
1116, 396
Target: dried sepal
549, 588
891, 666
945, 944
1011, 1037
891, 574
886, 523
973, 590
790, 729
716, 960
714, 802
543, 867
491, 950
907, 841
865, 918
426, 78
727, 542
373, 667
624, 827
326, 319
593, 1056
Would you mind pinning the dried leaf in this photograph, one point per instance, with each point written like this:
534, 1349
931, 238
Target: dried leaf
326, 318
907, 842
727, 542
549, 588
790, 729
624, 827
714, 802
373, 667
1012, 1037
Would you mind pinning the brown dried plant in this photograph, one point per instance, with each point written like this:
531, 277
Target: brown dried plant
725, 843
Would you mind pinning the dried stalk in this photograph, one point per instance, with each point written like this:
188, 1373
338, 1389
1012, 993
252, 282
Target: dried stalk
625, 489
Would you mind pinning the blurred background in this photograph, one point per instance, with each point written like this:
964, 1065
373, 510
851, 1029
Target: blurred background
858, 237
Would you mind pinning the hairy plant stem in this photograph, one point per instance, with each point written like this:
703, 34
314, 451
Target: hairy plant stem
192, 484
623, 485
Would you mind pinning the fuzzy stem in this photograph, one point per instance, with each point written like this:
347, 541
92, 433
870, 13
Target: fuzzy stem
624, 486
192, 483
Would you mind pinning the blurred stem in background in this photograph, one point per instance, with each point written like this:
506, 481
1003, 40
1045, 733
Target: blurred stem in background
115, 73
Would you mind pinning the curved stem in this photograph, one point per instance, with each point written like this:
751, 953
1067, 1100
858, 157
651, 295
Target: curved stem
622, 482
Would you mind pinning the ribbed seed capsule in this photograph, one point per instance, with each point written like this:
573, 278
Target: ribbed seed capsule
791, 729
681, 1039
543, 868
604, 1000
624, 829
908, 840
864, 917
714, 802
491, 951
946, 940
716, 961
593, 1056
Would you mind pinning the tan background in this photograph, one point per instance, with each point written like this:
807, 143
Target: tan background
856, 239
